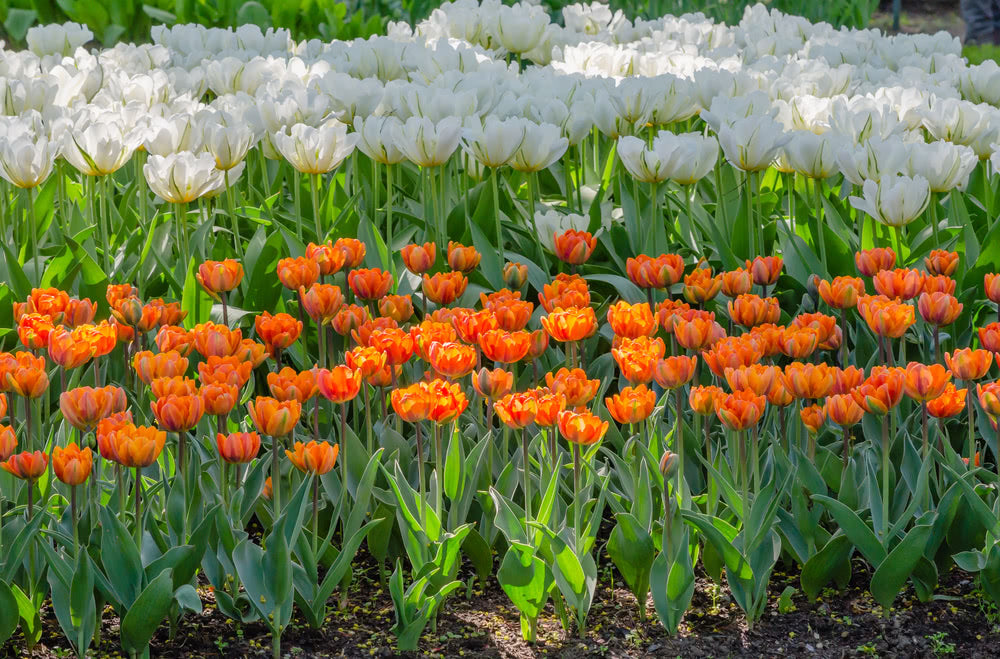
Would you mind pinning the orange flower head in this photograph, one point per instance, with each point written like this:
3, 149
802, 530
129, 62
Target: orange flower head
148, 317
637, 359
732, 352
178, 413
447, 401
517, 410
992, 285
566, 325
28, 466
8, 443
397, 344
106, 428
330, 259
219, 398
505, 347
925, 382
169, 313
941, 262
369, 283
574, 247
631, 320
219, 276
172, 337
655, 272
740, 410
968, 364
809, 381
989, 397
872, 261
444, 287
178, 385
397, 307
251, 351
412, 403
886, 317
215, 340
366, 359
116, 292
348, 318
701, 286
581, 427
137, 447
384, 376
33, 330
225, 370
268, 490
846, 379
494, 384
498, 298
50, 302
512, 315
68, 349
289, 384
565, 291
881, 391
573, 385
694, 333
799, 342
939, 309
631, 405
315, 458
549, 406
903, 283
27, 377
539, 343
515, 275
668, 309
470, 325
429, 332
102, 337
779, 395
452, 360
750, 310
461, 258
354, 252
418, 259
758, 378
274, 418
939, 284
79, 312
71, 464
238, 447
297, 272
813, 417
84, 407
339, 384
765, 270
3, 405
737, 282
949, 403
278, 331
703, 399
674, 371
843, 410
321, 301
826, 325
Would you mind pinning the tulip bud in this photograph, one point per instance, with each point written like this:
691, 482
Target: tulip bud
515, 275
669, 464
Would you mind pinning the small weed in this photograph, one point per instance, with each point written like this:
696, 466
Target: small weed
939, 646
868, 649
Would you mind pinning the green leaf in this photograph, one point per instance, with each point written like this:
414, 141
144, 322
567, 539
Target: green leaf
525, 579
18, 21
8, 612
892, 573
820, 569
120, 558
721, 535
632, 551
491, 263
859, 533
146, 613
453, 462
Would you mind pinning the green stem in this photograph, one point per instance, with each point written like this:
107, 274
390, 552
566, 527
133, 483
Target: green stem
32, 220
138, 509
577, 502
525, 464
820, 228
314, 183
439, 470
885, 480
420, 478
496, 207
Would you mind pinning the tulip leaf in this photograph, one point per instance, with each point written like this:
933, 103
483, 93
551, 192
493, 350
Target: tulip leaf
820, 568
120, 557
856, 530
526, 579
632, 551
8, 612
892, 573
147, 612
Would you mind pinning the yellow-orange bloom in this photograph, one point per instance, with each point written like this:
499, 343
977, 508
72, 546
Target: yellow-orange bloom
8, 442
631, 320
758, 378
397, 344
989, 397
573, 385
845, 379
137, 446
700, 286
903, 283
732, 352
631, 405
470, 325
348, 318
444, 287
810, 381
178, 385
925, 382
637, 360
675, 371
219, 398
27, 376
328, 257
886, 317
84, 407
289, 384
813, 417
278, 331
703, 399
178, 413
968, 364
581, 427
494, 384
517, 410
939, 284
354, 251
369, 283
71, 464
799, 342
549, 406
314, 458
274, 418
365, 359
238, 447
512, 315
452, 360
515, 275
68, 349
339, 384
462, 258
842, 292
429, 332
882, 391
172, 337
740, 410
694, 333
412, 403
447, 401
566, 325
949, 403
736, 282
215, 340
565, 291
655, 272
397, 307
843, 410
991, 283
939, 309
505, 347
219, 276
28, 466
225, 370
297, 272
321, 301
33, 330
872, 261
574, 247
750, 310
417, 258
941, 262
765, 269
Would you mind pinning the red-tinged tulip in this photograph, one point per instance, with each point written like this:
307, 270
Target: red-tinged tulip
315, 458
989, 397
225, 370
447, 401
505, 347
846, 379
499, 298
515, 275
637, 359
274, 418
824, 324
939, 309
251, 351
365, 359
758, 378
696, 333
992, 285
872, 261
219, 276
703, 399
219, 398
566, 325
321, 301
631, 320
8, 442
33, 330
412, 403
116, 292
298, 272
494, 384
886, 317
989, 337
631, 405
732, 352
574, 247
177, 385
215, 340
106, 428
102, 337
268, 490
289, 384
330, 259
517, 410
178, 413
968, 364
750, 310
71, 464
809, 381
27, 378
842, 292
843, 410
452, 360
348, 318
79, 312
138, 446
278, 331
736, 282
655, 272
779, 395
901, 283
581, 427
444, 287
924, 382
565, 291
765, 270
153, 316
68, 349
149, 366
461, 258
363, 334
948, 404
668, 310
384, 376
354, 251
740, 410
339, 384
882, 391
799, 342
539, 344
50, 302
172, 337
28, 466
369, 283
513, 315
939, 284
550, 404
941, 262
700, 286
675, 371
397, 345
428, 333
813, 417
573, 385
238, 447
397, 307
470, 325
418, 259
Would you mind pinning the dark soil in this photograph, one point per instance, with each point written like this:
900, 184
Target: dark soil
840, 624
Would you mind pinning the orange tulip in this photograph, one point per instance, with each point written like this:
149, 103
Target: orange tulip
581, 427
429, 332
631, 320
321, 301
872, 261
444, 287
758, 378
925, 382
447, 401
214, 340
461, 258
631, 405
750, 310
565, 291
570, 324
809, 381
968, 364
278, 331
27, 377
882, 391
843, 409
941, 262
494, 384
736, 282
219, 276
903, 283
842, 292
824, 324
696, 333
505, 347
538, 345
28, 466
452, 360
354, 251
274, 418
72, 465
68, 349
517, 410
50, 302
813, 417
573, 385
574, 247
550, 404
172, 337
470, 325
512, 315
348, 318
167, 313
418, 259
138, 446
289, 384
668, 310
939, 309
397, 344
315, 458
384, 376
238, 447
765, 269
329, 258
101, 337
178, 385
116, 292
219, 398
939, 284
740, 410
363, 334
703, 399
412, 403
700, 286
251, 351
989, 397
33, 330
369, 283
886, 317
178, 413
339, 384
365, 359
732, 352
515, 275
636, 361
949, 403
397, 307
655, 272
8, 442
675, 371
991, 282
161, 365
106, 429
499, 298
298, 272
845, 379
799, 343
225, 370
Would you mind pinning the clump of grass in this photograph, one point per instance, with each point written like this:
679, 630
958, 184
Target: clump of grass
979, 53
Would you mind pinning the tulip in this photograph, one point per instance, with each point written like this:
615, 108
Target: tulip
517, 410
515, 275
225, 370
339, 384
28, 466
813, 417
512, 315
369, 283
750, 144
842, 292
452, 360
631, 320
631, 405
676, 371
565, 291
315, 458
757, 378
296, 273
543, 144
636, 362
8, 442
447, 401
238, 447
426, 143
968, 364
138, 446
348, 318
949, 403
27, 377
57, 38
461, 258
941, 262
315, 150
444, 287
871, 262
703, 399
570, 325
732, 352
521, 28
84, 407
924, 382
68, 349
413, 403
881, 391
418, 259
278, 331
573, 386
659, 272
289, 384
574, 247
750, 310
183, 177
397, 345
427, 333
71, 464
700, 286
581, 428
329, 258
274, 418
321, 301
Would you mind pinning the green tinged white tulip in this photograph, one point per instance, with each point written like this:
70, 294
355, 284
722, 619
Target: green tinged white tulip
945, 165
493, 142
26, 159
376, 139
894, 201
315, 150
183, 177
752, 143
101, 147
873, 159
543, 144
520, 28
57, 39
428, 143
812, 155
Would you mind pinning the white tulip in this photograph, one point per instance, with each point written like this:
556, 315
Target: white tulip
873, 159
520, 28
56, 39
98, 148
752, 143
494, 141
315, 150
182, 177
427, 143
894, 201
26, 160
543, 144
643, 164
690, 156
376, 138
812, 155
229, 140
943, 164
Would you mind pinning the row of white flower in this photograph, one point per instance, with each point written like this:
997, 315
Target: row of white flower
774, 90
